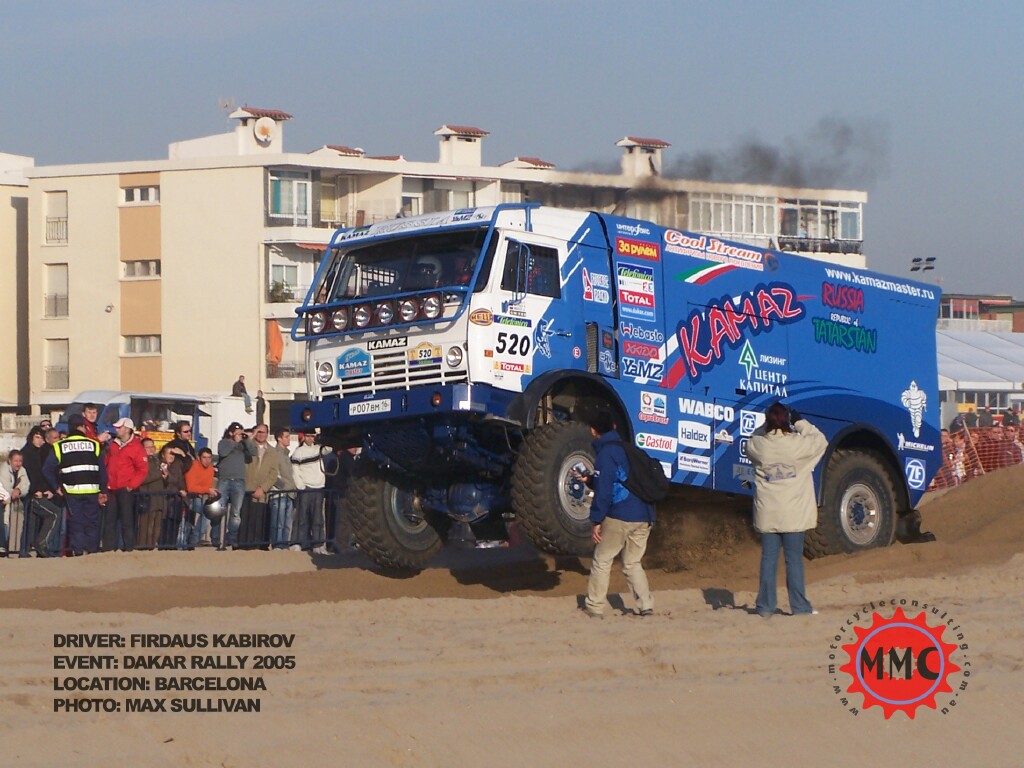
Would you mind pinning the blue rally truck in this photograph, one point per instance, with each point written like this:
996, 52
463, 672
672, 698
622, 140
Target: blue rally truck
465, 350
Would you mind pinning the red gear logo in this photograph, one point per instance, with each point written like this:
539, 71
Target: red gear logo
899, 663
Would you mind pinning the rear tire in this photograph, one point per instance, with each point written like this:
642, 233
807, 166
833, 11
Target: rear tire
859, 506
389, 526
554, 507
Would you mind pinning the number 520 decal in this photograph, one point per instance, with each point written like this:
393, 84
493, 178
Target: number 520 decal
512, 343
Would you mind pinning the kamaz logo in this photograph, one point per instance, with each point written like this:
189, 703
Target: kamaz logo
396, 342
707, 410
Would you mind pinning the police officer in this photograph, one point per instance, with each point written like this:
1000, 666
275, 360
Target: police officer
79, 475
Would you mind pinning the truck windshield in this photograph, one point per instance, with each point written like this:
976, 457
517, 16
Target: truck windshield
401, 265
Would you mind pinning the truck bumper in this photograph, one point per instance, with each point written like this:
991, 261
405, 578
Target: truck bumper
368, 410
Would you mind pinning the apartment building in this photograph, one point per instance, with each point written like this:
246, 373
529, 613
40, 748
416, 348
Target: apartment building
14, 380
178, 275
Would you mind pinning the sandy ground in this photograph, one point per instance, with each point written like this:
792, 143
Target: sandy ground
486, 660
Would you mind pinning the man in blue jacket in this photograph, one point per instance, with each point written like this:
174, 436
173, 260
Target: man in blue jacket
622, 522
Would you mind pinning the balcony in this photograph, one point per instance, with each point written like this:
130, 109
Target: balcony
279, 292
818, 245
55, 305
56, 377
287, 369
56, 230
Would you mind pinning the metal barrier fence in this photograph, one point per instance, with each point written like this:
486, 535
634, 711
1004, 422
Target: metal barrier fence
308, 519
972, 452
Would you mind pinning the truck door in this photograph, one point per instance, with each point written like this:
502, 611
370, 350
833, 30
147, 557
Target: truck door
535, 319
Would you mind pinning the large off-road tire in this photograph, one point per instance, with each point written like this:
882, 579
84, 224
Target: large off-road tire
859, 506
552, 505
388, 525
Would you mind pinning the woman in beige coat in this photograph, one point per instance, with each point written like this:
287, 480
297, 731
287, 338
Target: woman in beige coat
784, 451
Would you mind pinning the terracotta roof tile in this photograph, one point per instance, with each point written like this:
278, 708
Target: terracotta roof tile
648, 143
535, 161
462, 130
275, 114
386, 157
348, 151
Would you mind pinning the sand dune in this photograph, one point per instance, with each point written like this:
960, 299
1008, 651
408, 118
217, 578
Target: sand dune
486, 660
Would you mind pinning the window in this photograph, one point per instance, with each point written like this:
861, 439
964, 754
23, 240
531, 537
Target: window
140, 195
143, 268
55, 362
55, 299
289, 197
141, 345
56, 218
284, 282
531, 269
729, 214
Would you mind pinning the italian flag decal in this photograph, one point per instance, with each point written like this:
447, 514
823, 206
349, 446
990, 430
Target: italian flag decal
704, 275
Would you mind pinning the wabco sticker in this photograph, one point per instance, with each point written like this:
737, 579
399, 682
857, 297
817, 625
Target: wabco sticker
721, 413
424, 354
369, 406
690, 463
481, 317
395, 342
353, 364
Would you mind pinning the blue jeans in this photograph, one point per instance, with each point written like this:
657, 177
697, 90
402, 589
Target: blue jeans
200, 523
232, 493
792, 546
280, 519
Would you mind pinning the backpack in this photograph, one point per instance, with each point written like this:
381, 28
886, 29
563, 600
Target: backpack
646, 479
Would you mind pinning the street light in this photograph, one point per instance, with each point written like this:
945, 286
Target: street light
918, 264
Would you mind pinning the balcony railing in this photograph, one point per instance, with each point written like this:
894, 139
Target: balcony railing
55, 305
285, 293
818, 245
56, 229
56, 377
287, 369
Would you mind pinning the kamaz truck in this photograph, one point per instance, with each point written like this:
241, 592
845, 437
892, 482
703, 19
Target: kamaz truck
466, 350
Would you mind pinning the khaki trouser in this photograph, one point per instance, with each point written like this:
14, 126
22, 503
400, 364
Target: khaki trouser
630, 539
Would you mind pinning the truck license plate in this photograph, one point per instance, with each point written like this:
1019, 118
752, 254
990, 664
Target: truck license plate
370, 406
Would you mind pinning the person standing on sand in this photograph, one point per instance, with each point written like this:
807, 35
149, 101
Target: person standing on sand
622, 522
784, 451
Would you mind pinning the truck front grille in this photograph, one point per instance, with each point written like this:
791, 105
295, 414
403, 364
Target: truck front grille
390, 370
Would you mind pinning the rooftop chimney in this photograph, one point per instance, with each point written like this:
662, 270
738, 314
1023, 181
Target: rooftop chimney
259, 130
642, 156
460, 144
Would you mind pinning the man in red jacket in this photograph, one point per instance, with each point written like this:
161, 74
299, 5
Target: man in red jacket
126, 470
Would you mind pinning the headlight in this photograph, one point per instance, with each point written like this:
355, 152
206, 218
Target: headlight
324, 372
339, 319
408, 310
385, 312
454, 357
361, 317
432, 307
317, 322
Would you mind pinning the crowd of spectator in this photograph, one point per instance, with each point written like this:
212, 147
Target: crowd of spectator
90, 491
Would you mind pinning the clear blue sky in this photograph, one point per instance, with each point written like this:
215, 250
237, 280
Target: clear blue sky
919, 103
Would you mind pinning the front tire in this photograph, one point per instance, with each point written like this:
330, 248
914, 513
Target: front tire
859, 506
553, 506
389, 526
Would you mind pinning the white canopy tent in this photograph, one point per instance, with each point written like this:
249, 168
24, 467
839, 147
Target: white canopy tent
979, 360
